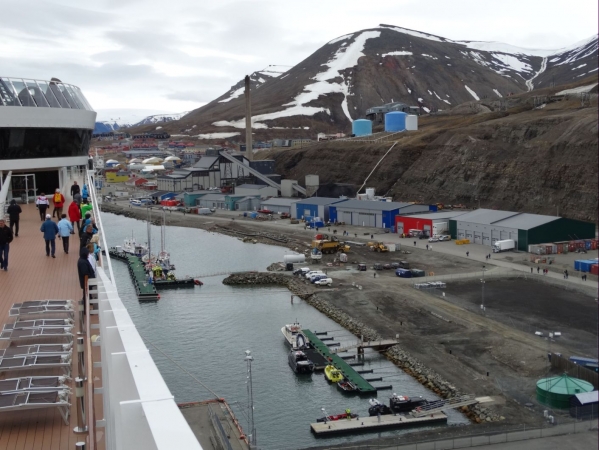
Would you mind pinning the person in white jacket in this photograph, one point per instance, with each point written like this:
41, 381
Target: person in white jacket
42, 204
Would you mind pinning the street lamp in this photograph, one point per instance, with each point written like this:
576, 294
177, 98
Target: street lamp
252, 437
482, 306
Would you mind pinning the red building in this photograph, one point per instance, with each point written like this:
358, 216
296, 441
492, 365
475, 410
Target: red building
432, 223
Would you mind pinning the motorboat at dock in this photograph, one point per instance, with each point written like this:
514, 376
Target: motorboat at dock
299, 362
332, 374
293, 335
347, 387
404, 404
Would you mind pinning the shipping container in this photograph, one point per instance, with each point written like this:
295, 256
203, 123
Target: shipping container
588, 244
595, 269
594, 244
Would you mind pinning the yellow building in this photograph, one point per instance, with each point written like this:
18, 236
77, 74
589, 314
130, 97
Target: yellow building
117, 177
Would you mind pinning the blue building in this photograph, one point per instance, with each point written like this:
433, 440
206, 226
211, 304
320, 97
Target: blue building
372, 213
315, 207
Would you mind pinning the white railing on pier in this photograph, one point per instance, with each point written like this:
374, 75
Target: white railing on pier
4, 194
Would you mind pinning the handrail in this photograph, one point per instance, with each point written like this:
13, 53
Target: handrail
92, 191
90, 415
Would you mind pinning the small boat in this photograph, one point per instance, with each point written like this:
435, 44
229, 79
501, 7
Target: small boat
299, 362
332, 374
347, 386
334, 417
132, 247
377, 408
402, 403
291, 332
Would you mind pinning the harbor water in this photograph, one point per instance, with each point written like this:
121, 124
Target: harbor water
207, 329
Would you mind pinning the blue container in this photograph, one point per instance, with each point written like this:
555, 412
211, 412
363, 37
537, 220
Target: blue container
253, 215
403, 273
362, 127
587, 245
395, 121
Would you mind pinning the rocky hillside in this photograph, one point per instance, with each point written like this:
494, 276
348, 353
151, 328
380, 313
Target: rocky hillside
348, 75
503, 154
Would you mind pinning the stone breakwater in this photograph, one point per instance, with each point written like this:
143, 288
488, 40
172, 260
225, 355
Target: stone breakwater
400, 357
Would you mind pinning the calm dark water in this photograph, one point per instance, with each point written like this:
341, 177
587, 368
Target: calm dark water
207, 330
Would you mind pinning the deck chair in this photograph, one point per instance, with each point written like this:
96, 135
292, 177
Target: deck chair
23, 384
26, 401
37, 350
36, 333
38, 323
15, 363
42, 307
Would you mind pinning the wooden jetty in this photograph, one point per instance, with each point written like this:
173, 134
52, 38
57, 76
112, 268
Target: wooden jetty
380, 345
364, 387
373, 424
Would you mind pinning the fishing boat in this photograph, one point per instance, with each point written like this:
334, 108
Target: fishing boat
293, 335
132, 247
334, 417
299, 362
402, 403
377, 408
332, 374
347, 387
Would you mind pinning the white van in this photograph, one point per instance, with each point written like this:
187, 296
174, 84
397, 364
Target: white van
204, 211
314, 272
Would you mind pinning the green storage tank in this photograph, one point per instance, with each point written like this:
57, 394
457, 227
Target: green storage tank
556, 391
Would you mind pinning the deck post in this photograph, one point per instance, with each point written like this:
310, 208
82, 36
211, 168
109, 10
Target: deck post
80, 446
81, 356
80, 399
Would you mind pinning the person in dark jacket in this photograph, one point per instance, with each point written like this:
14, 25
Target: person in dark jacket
5, 240
75, 189
14, 212
86, 236
50, 230
84, 268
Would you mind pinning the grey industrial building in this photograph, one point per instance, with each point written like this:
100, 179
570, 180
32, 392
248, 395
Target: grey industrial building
372, 213
485, 226
280, 205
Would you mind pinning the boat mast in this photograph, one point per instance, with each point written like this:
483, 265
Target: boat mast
149, 236
163, 232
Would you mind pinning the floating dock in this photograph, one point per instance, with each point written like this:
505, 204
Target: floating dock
374, 424
147, 291
320, 362
364, 387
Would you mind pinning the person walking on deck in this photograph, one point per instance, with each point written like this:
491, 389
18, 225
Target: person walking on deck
5, 240
42, 204
50, 230
75, 189
84, 193
58, 200
86, 236
84, 269
14, 211
75, 216
65, 229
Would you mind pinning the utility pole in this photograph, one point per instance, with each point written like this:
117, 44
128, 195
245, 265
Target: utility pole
248, 121
252, 429
482, 306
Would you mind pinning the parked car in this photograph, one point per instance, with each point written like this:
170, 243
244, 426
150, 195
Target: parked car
394, 265
433, 239
423, 236
301, 271
315, 278
285, 215
387, 266
265, 211
324, 282
404, 264
362, 267
445, 237
313, 272
377, 266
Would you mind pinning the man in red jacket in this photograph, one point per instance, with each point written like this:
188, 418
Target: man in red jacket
75, 216
58, 199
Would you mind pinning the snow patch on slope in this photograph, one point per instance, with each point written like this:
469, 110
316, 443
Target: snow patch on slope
233, 95
398, 53
472, 92
217, 135
497, 92
341, 38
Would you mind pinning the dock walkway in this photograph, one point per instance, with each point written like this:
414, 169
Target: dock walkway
373, 424
364, 387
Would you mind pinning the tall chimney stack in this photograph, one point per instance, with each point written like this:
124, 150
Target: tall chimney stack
249, 150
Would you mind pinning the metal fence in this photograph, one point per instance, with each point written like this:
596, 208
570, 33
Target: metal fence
222, 435
574, 370
474, 440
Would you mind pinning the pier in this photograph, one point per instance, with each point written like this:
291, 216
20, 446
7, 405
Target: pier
373, 424
364, 387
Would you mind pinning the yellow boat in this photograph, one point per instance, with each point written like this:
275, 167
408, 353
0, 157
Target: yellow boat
332, 374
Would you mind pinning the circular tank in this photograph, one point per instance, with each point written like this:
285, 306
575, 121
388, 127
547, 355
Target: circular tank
362, 127
294, 259
556, 391
395, 121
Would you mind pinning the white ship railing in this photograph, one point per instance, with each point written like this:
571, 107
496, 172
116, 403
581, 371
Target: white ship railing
4, 194
139, 410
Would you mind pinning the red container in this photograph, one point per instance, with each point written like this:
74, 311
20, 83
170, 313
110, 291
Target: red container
571, 247
560, 248
595, 269
548, 249
318, 237
594, 244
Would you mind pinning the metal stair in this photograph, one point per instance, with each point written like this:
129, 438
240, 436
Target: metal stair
442, 405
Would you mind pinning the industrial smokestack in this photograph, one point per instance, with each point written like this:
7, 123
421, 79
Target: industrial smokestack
248, 120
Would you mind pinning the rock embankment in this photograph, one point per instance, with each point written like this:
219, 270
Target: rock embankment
400, 357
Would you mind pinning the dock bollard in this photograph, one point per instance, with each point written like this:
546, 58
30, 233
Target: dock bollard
79, 394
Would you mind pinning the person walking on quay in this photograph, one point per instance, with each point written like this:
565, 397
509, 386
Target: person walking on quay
538, 269
468, 254
75, 189
42, 204
566, 273
58, 200
5, 240
531, 270
65, 229
75, 216
14, 212
84, 269
50, 230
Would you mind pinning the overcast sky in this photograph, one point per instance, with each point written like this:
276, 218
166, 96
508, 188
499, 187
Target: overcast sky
137, 57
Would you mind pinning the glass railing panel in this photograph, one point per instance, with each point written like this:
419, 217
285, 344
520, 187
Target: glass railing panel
22, 92
82, 98
54, 87
48, 94
67, 95
74, 96
37, 94
8, 94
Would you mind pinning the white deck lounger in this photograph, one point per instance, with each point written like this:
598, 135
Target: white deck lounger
42, 307
26, 401
11, 364
36, 333
38, 323
36, 349
23, 384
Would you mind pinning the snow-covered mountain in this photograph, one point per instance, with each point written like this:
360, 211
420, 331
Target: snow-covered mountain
346, 76
160, 118
106, 126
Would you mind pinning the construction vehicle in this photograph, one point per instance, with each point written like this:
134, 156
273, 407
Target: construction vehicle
440, 206
330, 246
378, 246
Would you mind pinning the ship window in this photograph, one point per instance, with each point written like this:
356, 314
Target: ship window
25, 143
